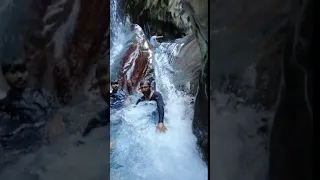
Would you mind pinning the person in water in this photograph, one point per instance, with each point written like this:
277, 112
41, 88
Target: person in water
103, 117
117, 96
150, 95
29, 116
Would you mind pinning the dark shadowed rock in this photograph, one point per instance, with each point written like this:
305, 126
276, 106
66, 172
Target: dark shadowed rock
253, 67
291, 140
161, 17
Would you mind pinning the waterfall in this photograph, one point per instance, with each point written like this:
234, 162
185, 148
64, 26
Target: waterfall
140, 153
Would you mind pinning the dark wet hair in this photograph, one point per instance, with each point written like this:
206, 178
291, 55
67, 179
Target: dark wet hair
102, 69
114, 82
145, 82
7, 64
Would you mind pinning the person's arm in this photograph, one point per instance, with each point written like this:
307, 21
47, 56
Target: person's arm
139, 100
127, 101
51, 100
160, 107
4, 119
55, 124
125, 97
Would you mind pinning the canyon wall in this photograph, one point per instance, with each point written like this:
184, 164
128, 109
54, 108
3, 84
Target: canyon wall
260, 81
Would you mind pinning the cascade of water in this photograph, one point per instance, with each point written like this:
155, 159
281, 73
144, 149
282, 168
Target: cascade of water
140, 153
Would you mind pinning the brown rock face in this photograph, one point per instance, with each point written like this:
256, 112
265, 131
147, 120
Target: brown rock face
136, 63
86, 46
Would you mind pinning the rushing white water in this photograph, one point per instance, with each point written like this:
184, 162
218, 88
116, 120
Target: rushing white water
118, 25
141, 153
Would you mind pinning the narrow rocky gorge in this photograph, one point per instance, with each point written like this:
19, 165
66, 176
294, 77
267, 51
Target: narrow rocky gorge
260, 80
62, 40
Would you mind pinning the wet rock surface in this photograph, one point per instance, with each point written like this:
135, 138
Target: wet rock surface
188, 64
136, 63
88, 44
293, 122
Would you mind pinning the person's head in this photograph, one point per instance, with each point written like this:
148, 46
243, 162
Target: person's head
145, 87
103, 79
15, 72
115, 85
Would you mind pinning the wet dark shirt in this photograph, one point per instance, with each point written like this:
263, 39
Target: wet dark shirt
117, 99
156, 96
24, 116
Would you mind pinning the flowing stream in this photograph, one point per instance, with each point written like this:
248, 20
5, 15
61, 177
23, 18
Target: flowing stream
141, 153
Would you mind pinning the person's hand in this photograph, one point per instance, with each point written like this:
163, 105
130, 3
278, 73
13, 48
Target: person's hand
161, 127
111, 144
127, 101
